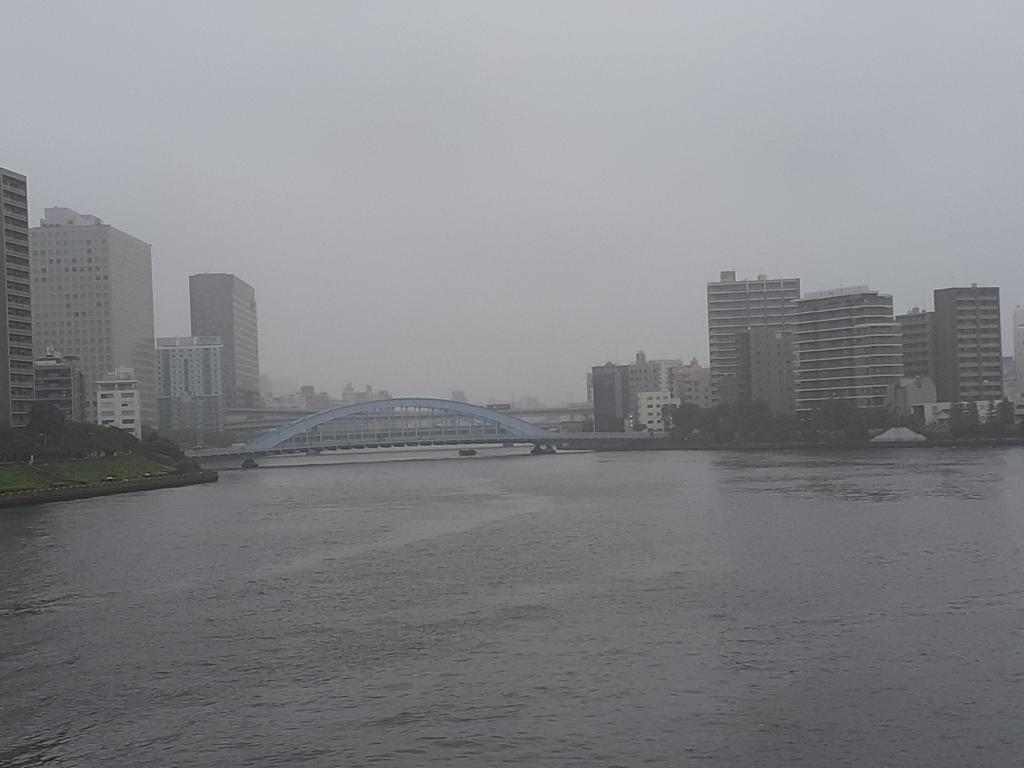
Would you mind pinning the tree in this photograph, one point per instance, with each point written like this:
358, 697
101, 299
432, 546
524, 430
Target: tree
45, 419
963, 419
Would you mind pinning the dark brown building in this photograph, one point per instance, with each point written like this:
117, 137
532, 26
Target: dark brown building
764, 368
613, 400
967, 338
918, 344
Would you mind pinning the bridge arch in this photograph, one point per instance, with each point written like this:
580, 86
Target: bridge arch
505, 425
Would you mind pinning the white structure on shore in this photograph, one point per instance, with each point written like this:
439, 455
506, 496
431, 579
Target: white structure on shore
117, 401
650, 409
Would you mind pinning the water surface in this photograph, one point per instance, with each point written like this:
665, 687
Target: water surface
629, 609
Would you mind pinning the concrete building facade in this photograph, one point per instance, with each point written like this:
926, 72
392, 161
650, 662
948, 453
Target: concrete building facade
17, 390
189, 392
917, 330
847, 346
118, 401
59, 382
224, 305
968, 344
692, 385
649, 376
651, 409
736, 305
765, 367
93, 285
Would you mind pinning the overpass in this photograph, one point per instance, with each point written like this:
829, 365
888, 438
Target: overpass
405, 422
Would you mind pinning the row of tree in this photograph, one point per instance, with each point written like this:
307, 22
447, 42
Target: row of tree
48, 435
835, 420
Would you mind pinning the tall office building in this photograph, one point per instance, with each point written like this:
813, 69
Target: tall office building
847, 346
224, 306
93, 287
189, 394
736, 305
16, 377
968, 344
918, 343
765, 368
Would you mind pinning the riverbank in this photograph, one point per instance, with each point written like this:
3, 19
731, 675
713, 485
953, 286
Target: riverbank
24, 484
667, 444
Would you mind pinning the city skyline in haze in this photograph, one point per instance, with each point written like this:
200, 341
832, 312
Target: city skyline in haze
496, 197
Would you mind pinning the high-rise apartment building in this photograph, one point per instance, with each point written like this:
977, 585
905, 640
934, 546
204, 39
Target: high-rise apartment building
847, 347
93, 288
189, 394
16, 377
765, 364
918, 343
736, 305
225, 306
968, 344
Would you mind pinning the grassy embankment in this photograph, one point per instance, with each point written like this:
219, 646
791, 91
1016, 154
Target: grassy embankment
21, 478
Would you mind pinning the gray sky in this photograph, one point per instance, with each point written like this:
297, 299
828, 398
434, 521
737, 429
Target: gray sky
495, 196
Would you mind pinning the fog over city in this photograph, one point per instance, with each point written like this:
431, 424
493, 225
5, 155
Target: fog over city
494, 197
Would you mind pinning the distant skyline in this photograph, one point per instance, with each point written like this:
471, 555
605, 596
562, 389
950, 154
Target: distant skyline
495, 197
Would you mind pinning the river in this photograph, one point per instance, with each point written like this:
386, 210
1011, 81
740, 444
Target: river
663, 609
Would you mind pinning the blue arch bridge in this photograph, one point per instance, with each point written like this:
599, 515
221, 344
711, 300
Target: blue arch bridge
406, 422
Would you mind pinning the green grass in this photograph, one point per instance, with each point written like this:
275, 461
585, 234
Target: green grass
97, 470
14, 479
18, 478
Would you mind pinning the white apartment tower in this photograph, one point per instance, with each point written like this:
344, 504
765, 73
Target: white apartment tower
737, 305
93, 298
848, 347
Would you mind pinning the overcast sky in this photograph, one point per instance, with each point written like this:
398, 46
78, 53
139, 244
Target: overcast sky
496, 196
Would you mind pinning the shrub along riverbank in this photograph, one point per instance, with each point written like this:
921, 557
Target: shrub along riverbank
54, 460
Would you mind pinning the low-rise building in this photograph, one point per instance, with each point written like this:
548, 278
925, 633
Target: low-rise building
692, 384
61, 383
117, 401
937, 415
651, 409
911, 391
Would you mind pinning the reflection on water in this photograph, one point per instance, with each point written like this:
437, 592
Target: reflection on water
846, 608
